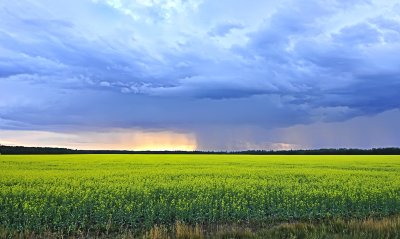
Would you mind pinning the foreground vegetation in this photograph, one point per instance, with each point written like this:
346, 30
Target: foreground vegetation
249, 196
337, 228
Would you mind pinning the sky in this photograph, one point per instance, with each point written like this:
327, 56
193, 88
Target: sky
200, 74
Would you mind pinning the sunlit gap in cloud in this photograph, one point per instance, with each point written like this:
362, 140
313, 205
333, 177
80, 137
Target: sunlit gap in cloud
109, 140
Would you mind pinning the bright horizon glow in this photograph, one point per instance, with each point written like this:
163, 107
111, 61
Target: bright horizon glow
117, 140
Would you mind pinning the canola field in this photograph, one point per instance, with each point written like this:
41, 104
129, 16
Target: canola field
115, 192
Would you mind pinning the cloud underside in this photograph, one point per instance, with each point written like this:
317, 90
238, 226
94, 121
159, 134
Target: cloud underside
187, 66
360, 132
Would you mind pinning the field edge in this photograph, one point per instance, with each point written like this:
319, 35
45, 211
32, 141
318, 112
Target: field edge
388, 227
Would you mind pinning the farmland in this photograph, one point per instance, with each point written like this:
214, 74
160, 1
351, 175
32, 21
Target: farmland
66, 194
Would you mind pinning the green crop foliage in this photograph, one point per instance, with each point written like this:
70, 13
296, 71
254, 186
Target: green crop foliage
102, 192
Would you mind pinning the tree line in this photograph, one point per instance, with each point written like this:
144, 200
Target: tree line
20, 150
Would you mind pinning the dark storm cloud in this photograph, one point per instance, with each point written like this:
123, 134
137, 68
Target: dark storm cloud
187, 65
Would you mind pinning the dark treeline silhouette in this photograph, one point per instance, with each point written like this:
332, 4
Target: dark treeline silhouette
13, 150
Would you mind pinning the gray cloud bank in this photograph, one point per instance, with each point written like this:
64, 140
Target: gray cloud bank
198, 66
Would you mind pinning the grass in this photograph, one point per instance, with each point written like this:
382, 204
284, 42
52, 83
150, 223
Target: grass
386, 228
199, 196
